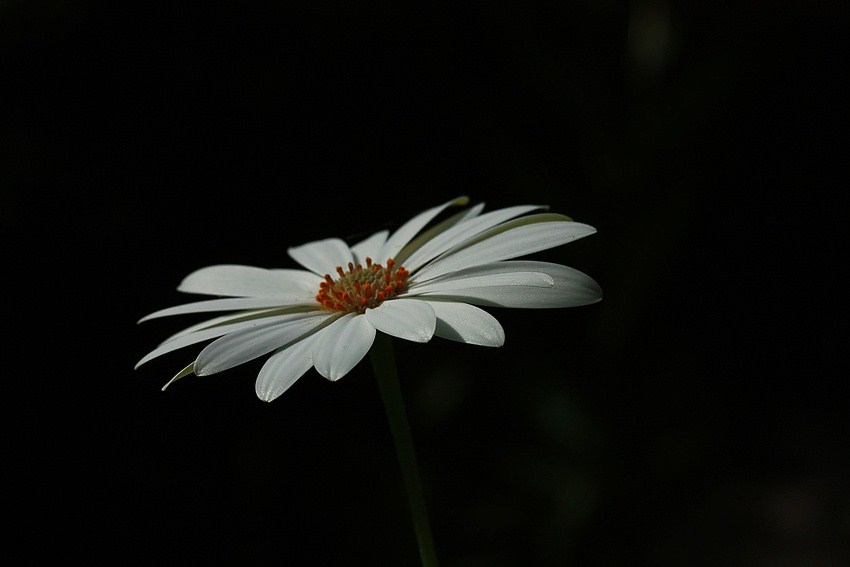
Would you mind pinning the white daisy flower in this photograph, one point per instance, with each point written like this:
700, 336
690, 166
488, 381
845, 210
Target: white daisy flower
414, 284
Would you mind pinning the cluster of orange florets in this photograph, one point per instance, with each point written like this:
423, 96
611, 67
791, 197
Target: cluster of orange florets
361, 288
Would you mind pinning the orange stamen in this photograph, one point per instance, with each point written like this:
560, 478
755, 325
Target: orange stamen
360, 288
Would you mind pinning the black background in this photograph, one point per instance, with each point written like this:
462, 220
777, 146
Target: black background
693, 417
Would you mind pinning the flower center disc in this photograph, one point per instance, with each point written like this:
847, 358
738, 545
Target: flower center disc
362, 288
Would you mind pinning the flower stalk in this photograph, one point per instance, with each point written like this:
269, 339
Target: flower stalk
383, 363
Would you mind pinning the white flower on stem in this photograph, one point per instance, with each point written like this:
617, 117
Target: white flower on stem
414, 284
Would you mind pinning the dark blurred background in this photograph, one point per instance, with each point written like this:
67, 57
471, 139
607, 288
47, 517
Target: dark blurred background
693, 417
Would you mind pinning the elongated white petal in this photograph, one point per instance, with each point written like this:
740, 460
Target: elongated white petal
409, 229
370, 248
473, 279
185, 372
467, 324
247, 344
502, 244
248, 281
408, 319
284, 368
427, 235
461, 232
213, 332
342, 345
572, 288
322, 256
308, 303
232, 318
185, 341
471, 212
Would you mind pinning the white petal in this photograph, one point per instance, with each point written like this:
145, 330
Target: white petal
474, 278
248, 281
432, 232
248, 344
515, 238
409, 229
195, 337
231, 318
408, 319
461, 232
342, 345
467, 324
307, 303
572, 288
283, 368
322, 256
370, 248
185, 372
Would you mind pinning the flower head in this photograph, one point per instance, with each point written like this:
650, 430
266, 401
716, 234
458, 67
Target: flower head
421, 281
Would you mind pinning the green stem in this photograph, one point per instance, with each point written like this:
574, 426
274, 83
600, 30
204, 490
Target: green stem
383, 363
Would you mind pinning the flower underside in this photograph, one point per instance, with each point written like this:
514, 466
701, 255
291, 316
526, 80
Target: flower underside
362, 287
